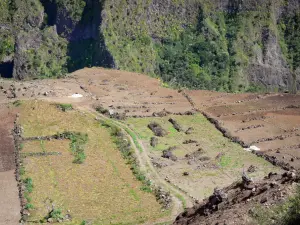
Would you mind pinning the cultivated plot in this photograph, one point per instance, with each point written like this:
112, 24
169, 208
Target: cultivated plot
195, 156
100, 190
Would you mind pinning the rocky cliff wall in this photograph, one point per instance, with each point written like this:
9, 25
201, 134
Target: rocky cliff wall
231, 45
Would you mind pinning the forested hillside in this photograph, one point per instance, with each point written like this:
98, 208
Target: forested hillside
231, 45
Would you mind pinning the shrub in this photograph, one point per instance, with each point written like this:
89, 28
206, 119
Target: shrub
29, 206
17, 103
28, 184
157, 129
154, 141
64, 107
292, 214
175, 124
56, 214
101, 109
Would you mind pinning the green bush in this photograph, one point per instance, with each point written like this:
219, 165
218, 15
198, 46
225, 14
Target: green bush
64, 107
56, 214
29, 206
28, 184
101, 109
78, 141
83, 222
289, 28
17, 103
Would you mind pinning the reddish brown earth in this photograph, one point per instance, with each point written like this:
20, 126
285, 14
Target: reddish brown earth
9, 196
268, 121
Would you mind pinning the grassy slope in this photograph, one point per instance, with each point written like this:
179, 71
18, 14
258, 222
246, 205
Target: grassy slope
212, 142
102, 189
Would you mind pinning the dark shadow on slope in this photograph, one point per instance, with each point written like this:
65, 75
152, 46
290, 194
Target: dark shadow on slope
87, 46
50, 8
6, 69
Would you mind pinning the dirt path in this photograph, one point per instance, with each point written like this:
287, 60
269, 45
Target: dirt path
9, 196
146, 166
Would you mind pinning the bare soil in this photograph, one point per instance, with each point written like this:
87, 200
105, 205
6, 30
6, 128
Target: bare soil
268, 121
9, 197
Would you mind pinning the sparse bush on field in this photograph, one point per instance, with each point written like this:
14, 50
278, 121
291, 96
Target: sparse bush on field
28, 184
154, 141
101, 109
56, 214
21, 171
175, 124
17, 103
157, 129
29, 206
27, 197
83, 222
64, 107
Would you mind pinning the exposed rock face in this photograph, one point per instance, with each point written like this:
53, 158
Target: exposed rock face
237, 203
245, 42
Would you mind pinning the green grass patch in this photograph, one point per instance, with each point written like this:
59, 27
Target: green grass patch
17, 103
65, 107
28, 185
225, 161
42, 146
135, 139
182, 199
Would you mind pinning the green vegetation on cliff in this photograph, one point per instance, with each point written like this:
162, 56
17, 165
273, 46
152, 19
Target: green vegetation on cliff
290, 43
201, 47
224, 46
6, 37
45, 55
7, 44
73, 7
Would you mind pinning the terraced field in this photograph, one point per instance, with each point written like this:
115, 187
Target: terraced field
189, 163
102, 190
200, 160
268, 121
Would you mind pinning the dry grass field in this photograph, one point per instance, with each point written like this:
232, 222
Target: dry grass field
102, 190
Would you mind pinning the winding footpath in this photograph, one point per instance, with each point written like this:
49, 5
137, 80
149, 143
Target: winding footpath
180, 198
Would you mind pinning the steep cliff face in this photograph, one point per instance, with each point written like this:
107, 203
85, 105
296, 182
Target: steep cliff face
232, 45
